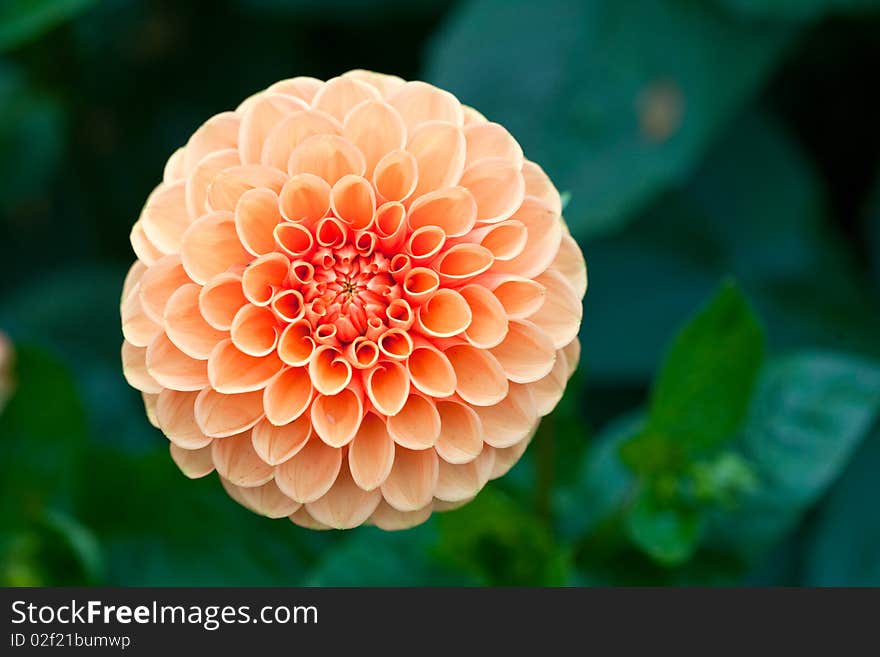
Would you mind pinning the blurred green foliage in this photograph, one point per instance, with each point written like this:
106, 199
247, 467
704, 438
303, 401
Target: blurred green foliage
722, 164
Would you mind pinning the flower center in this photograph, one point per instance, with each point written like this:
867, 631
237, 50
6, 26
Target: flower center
345, 293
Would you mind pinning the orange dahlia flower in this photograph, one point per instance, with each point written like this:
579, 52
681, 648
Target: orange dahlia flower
353, 299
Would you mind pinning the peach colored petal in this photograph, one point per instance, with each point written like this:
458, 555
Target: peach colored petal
236, 460
506, 239
539, 186
376, 129
134, 368
293, 130
174, 168
220, 299
462, 262
275, 444
572, 352
521, 297
396, 176
302, 87
132, 279
547, 391
419, 102
497, 185
417, 424
263, 277
461, 433
452, 209
509, 421
231, 371
479, 378
340, 95
295, 240
266, 500
186, 327
507, 457
143, 248
137, 327
150, 402
329, 370
445, 314
526, 354
486, 140
460, 482
310, 473
412, 480
472, 116
211, 246
362, 353
230, 184
306, 198
174, 369
425, 243
390, 519
194, 463
354, 201
218, 133
288, 306
439, 149
345, 505
201, 177
327, 156
288, 395
258, 121
165, 218
175, 414
255, 330
544, 236
336, 418
303, 518
560, 316
395, 344
219, 415
296, 346
430, 371
159, 282
383, 83
488, 325
256, 215
400, 314
387, 386
570, 263
371, 453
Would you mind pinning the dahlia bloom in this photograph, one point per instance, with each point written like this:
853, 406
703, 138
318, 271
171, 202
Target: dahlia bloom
353, 299
6, 376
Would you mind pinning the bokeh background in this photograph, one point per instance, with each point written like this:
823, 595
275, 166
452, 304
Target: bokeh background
720, 159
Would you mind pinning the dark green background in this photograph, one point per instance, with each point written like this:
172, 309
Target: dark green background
722, 161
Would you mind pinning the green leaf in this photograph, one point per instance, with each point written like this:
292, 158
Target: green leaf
24, 20
809, 414
42, 436
702, 391
668, 534
368, 556
755, 210
799, 9
843, 541
603, 483
499, 543
616, 100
